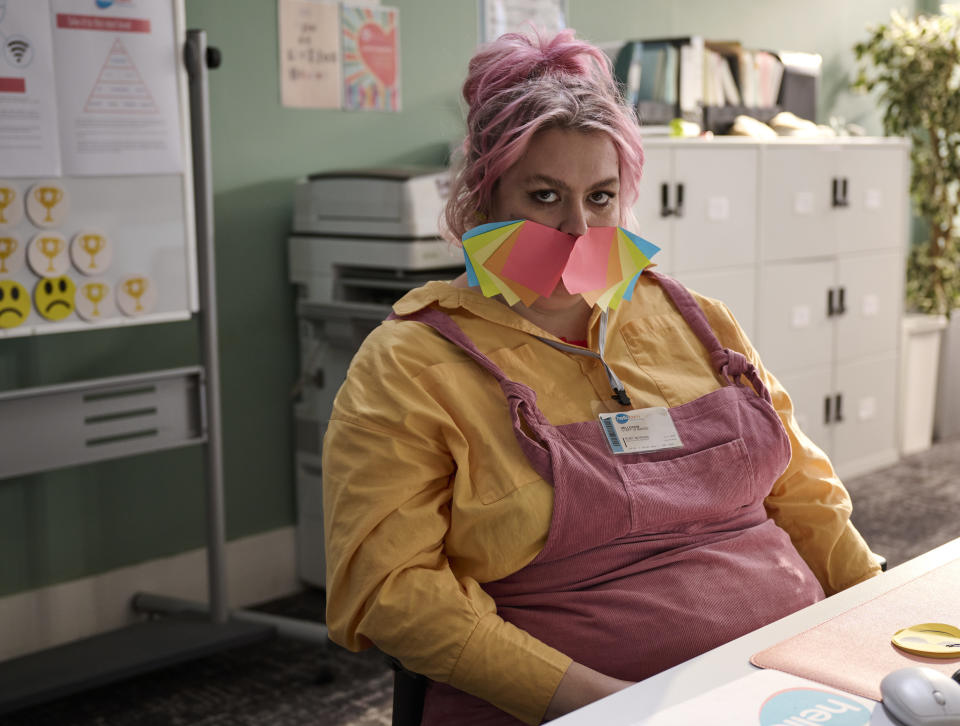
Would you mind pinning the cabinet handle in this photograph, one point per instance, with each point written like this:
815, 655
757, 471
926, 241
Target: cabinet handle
838, 414
665, 210
678, 210
826, 409
838, 305
840, 192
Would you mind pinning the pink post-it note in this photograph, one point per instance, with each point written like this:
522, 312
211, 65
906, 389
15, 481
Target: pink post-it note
587, 267
538, 257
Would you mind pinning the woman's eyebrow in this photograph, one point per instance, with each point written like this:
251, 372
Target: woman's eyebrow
607, 182
548, 181
560, 184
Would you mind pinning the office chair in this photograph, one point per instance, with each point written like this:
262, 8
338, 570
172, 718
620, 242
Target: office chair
408, 692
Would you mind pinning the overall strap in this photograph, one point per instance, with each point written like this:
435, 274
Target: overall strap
443, 324
522, 398
730, 364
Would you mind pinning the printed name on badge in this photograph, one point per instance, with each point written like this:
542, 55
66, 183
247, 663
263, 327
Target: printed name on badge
640, 430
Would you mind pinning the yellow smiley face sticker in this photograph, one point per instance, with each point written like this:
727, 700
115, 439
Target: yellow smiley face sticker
54, 296
14, 303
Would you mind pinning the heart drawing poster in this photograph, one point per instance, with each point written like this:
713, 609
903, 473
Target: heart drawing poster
371, 58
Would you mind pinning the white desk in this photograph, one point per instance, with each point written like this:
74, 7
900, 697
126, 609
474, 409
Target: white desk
732, 661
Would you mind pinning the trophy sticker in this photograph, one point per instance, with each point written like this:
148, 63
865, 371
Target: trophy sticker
11, 205
93, 300
47, 204
53, 297
47, 254
136, 295
12, 254
91, 252
14, 303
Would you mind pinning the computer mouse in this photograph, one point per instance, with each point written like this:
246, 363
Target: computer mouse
921, 696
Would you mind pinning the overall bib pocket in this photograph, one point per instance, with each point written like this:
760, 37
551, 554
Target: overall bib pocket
701, 486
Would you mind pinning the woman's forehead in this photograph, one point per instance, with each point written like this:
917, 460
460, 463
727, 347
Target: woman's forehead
570, 157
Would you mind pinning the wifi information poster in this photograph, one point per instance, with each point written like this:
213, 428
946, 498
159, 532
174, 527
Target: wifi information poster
116, 82
29, 144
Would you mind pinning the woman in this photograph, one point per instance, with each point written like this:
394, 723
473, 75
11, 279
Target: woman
478, 526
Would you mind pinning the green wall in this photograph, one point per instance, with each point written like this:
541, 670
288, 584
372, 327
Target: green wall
80, 521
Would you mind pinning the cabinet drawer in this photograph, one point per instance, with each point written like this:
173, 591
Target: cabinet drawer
794, 330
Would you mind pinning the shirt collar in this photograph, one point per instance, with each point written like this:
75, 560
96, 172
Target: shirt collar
446, 296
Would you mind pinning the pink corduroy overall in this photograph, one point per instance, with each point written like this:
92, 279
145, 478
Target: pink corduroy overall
654, 558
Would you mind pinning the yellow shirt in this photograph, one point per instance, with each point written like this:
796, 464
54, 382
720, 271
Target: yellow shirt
427, 493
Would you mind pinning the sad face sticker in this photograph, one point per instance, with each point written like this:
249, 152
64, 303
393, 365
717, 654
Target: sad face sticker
54, 297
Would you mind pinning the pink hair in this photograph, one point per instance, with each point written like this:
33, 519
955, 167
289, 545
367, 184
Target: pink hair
519, 85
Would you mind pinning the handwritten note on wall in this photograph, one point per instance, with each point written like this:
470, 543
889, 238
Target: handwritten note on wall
309, 54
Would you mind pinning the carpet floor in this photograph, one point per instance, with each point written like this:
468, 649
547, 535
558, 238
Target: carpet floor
902, 511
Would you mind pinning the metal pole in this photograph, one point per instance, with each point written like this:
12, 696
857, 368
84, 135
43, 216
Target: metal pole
198, 58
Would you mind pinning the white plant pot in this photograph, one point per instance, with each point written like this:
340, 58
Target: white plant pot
947, 419
919, 360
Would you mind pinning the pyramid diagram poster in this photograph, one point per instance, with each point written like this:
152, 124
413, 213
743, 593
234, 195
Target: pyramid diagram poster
116, 76
119, 88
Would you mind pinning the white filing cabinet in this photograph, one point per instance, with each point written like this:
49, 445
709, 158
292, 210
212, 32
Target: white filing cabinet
805, 241
698, 202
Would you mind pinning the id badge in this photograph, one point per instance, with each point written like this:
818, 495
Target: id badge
640, 430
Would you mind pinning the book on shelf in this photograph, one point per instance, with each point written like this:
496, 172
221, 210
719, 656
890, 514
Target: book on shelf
666, 78
724, 69
761, 73
691, 76
647, 70
719, 85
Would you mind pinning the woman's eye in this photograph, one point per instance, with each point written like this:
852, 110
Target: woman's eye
545, 196
601, 198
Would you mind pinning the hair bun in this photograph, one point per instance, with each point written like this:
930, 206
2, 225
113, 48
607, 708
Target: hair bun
514, 58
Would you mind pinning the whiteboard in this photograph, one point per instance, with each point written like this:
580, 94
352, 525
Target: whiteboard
147, 271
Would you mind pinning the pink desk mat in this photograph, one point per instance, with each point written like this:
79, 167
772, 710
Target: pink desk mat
853, 651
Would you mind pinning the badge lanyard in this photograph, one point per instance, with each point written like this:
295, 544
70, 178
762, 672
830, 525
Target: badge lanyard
619, 390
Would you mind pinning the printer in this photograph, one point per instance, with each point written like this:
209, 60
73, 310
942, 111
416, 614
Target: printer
361, 238
379, 223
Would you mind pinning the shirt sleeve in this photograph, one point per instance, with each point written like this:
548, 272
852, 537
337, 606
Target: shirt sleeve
809, 501
387, 479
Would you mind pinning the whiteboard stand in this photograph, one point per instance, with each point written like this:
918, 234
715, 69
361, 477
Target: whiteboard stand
199, 57
144, 412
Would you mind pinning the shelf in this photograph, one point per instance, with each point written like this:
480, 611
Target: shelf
77, 423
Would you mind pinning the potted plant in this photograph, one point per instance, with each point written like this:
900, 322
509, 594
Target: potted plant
914, 65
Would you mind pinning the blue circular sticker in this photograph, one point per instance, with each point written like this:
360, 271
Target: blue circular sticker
808, 706
622, 418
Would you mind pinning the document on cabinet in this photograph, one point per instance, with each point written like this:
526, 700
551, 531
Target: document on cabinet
116, 79
29, 143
